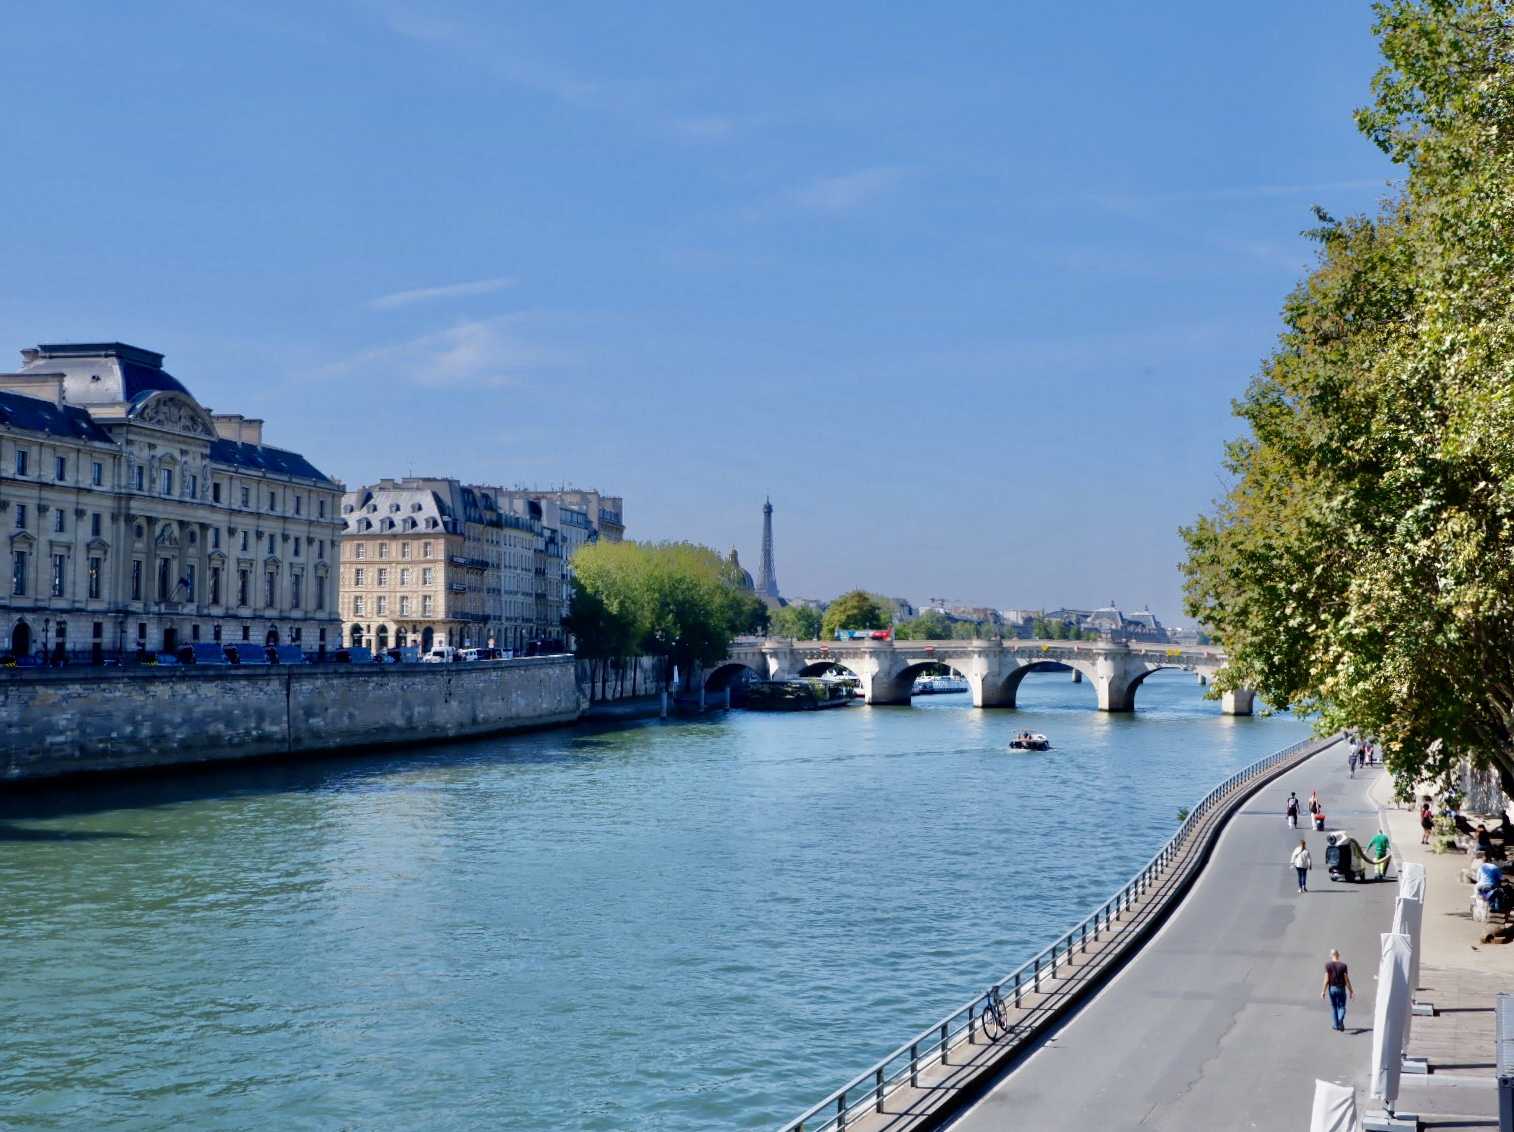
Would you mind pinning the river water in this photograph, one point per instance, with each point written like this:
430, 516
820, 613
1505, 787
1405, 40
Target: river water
690, 925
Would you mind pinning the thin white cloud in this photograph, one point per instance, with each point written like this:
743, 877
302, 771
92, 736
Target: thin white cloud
847, 191
445, 291
486, 353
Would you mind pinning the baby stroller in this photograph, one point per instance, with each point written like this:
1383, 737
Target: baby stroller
1344, 857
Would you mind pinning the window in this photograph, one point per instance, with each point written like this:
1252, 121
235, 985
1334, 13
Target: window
383, 577
136, 579
426, 604
20, 516
215, 634
60, 467
94, 577
215, 585
271, 589
165, 580
244, 542
58, 520
215, 491
404, 605
246, 632
359, 576
167, 481
97, 473
18, 573
247, 497
321, 508
320, 594
357, 606
404, 577
194, 632
189, 583
299, 501
244, 584
428, 576
295, 585
404, 550
215, 538
139, 478
359, 551
381, 606
94, 525
21, 461
383, 551
425, 550
297, 542
320, 548
192, 486
273, 502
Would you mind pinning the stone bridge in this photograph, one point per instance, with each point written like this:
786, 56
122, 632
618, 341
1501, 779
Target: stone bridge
993, 668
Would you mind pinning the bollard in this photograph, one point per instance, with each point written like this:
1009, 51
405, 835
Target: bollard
878, 1090
914, 1064
943, 1043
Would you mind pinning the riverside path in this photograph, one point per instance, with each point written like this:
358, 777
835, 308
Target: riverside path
1217, 1022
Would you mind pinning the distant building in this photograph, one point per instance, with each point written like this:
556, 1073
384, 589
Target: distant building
767, 576
606, 513
140, 521
742, 577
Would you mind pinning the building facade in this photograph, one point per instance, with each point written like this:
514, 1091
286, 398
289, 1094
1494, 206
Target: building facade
137, 520
606, 513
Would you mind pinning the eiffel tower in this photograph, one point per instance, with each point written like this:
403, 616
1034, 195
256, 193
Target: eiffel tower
767, 577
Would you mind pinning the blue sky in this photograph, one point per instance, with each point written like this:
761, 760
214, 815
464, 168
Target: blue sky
966, 288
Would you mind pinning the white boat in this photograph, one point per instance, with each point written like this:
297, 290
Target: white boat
1030, 741
939, 685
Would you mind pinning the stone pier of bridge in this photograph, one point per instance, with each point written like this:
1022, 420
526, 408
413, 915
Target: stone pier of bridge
994, 669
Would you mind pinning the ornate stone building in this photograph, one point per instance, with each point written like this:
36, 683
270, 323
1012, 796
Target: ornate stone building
137, 520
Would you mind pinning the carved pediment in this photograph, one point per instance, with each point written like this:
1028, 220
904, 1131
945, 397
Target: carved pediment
168, 535
99, 545
175, 412
218, 556
22, 539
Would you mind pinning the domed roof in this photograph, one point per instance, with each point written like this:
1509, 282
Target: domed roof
103, 373
742, 578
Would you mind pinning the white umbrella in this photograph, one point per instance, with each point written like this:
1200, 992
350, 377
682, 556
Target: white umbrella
1389, 1017
1408, 914
1334, 1109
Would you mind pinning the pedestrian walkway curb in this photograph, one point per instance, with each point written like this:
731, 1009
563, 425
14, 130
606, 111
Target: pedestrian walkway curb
938, 1078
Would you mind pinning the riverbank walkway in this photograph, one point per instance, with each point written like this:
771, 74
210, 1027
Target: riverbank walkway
1217, 1022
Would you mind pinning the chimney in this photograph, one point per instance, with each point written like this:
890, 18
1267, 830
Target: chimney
234, 426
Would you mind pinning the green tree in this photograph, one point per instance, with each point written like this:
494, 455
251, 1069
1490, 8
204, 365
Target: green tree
799, 622
857, 609
932, 625
1362, 563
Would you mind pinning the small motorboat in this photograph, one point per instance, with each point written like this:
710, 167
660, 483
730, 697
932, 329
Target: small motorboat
1030, 741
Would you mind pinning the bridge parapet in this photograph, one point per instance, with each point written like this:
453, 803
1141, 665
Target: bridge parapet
993, 668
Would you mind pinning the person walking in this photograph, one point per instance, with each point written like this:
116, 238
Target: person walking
1426, 822
1378, 851
1302, 863
1337, 987
1314, 806
1291, 809
1351, 760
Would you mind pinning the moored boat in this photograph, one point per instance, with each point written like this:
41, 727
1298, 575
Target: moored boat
1030, 741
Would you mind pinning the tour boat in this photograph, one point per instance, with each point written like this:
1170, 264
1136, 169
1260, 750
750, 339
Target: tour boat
1033, 741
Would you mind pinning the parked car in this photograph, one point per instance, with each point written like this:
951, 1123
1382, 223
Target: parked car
202, 652
404, 654
357, 654
469, 654
286, 654
166, 660
245, 652
440, 654
490, 654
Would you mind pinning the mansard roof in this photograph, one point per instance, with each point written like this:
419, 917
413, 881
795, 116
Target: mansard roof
102, 373
36, 415
260, 457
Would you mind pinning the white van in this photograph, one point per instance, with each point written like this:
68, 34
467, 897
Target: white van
440, 654
467, 654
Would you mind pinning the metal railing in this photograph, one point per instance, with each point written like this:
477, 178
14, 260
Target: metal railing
933, 1045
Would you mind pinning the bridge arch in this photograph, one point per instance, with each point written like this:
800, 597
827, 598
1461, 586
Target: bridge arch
1003, 692
901, 685
723, 676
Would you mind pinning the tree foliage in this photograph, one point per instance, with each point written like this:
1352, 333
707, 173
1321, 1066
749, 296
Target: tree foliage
674, 600
798, 622
1362, 564
932, 625
855, 610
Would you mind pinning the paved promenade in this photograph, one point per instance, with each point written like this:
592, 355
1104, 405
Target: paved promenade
1218, 1022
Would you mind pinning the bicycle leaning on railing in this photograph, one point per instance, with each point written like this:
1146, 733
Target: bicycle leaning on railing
995, 1016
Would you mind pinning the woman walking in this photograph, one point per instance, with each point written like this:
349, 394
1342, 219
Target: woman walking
1338, 987
1426, 822
1302, 863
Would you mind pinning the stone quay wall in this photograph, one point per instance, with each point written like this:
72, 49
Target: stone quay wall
79, 721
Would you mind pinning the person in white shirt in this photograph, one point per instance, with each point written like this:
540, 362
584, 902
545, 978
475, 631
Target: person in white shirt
1302, 862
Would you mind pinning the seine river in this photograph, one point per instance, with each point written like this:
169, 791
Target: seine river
680, 926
